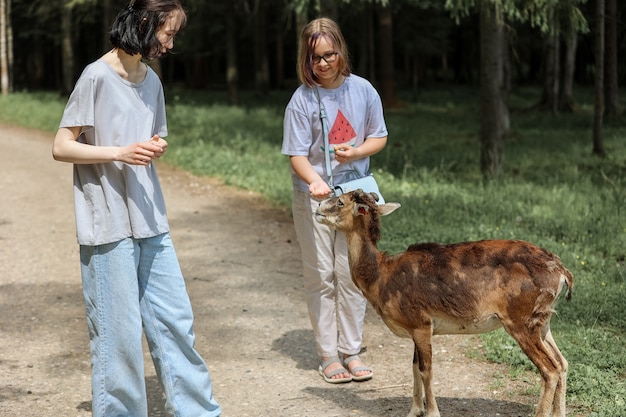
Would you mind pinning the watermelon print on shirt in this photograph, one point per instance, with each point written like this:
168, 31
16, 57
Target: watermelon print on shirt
342, 131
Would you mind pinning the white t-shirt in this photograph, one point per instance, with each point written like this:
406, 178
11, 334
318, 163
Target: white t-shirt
354, 112
114, 200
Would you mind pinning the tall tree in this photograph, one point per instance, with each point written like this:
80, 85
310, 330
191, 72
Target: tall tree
367, 49
551, 62
385, 36
566, 90
261, 61
598, 142
232, 71
4, 48
492, 114
10, 56
611, 59
67, 49
279, 55
107, 21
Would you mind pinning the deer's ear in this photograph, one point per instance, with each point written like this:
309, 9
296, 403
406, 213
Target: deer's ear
361, 209
388, 208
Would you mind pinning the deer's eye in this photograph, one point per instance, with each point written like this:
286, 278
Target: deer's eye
340, 203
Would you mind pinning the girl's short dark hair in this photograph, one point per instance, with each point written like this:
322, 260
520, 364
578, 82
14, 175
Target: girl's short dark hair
134, 29
310, 35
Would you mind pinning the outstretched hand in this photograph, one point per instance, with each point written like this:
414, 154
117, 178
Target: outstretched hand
319, 189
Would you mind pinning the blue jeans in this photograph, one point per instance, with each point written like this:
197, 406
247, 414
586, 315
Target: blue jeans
130, 285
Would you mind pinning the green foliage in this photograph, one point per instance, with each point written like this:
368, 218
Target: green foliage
538, 13
41, 110
234, 143
554, 193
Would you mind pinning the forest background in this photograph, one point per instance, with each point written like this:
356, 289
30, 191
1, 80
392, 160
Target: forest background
464, 83
400, 45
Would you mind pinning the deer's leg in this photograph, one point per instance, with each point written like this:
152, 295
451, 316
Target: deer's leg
558, 407
417, 406
422, 375
543, 356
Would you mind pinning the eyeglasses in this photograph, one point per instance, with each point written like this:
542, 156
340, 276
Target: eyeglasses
329, 58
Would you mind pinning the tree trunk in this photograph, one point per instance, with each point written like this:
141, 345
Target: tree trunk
598, 142
280, 58
507, 80
611, 56
566, 98
10, 57
232, 72
107, 21
412, 73
387, 83
372, 48
366, 49
67, 51
492, 104
260, 51
4, 61
551, 61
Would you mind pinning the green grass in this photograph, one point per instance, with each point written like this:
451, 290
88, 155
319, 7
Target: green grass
554, 193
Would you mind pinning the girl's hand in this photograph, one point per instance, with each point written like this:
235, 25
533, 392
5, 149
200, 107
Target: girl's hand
344, 154
319, 189
142, 153
160, 142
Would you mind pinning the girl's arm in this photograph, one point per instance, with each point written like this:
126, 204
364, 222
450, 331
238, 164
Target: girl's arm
66, 148
303, 168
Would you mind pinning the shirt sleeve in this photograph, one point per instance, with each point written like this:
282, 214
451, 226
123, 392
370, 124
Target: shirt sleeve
160, 120
79, 110
375, 123
297, 129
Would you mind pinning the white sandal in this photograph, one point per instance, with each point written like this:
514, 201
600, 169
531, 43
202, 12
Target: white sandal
329, 378
356, 369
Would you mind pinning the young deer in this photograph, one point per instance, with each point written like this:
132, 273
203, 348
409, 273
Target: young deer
462, 288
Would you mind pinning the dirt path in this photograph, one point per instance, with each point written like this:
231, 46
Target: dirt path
240, 258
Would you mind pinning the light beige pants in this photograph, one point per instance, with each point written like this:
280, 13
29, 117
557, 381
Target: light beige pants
336, 306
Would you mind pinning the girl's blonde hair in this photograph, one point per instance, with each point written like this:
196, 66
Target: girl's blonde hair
311, 33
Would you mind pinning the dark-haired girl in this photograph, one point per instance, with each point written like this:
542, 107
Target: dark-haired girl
112, 128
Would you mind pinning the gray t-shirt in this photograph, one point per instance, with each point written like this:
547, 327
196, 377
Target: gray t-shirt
354, 112
115, 200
